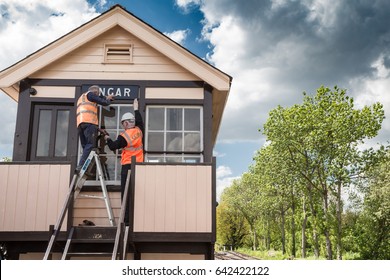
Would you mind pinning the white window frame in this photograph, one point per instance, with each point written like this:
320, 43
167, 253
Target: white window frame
185, 157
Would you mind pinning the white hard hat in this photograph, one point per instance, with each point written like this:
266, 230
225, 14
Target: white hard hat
127, 116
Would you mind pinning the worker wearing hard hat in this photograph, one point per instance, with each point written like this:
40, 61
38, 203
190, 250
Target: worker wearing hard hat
87, 120
130, 141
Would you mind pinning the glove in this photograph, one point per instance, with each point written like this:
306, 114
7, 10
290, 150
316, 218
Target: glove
110, 97
103, 131
135, 104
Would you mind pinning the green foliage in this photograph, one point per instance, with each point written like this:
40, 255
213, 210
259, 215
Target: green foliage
243, 196
292, 196
232, 228
373, 224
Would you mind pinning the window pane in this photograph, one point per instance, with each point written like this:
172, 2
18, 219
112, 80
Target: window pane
61, 144
108, 166
174, 159
192, 142
43, 140
156, 119
192, 119
174, 142
174, 119
154, 158
192, 159
155, 141
109, 117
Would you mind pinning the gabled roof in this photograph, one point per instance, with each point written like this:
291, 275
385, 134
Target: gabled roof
116, 16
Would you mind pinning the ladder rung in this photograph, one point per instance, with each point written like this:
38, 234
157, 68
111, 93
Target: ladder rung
110, 240
91, 196
108, 254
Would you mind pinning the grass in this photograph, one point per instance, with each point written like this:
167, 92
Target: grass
277, 255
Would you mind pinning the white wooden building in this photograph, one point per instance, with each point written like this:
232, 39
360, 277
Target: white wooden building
181, 98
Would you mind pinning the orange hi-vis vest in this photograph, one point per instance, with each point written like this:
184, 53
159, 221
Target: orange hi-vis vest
87, 111
134, 146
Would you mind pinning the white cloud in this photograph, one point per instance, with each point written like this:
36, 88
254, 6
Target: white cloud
218, 154
28, 27
224, 179
25, 27
179, 36
223, 171
186, 5
275, 50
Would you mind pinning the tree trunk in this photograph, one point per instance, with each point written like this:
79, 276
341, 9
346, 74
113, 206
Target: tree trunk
283, 230
304, 222
329, 253
254, 240
339, 223
252, 228
293, 246
268, 236
315, 233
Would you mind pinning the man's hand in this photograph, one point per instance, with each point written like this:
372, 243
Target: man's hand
110, 97
135, 104
103, 131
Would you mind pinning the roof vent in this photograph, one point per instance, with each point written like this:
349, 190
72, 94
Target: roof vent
118, 53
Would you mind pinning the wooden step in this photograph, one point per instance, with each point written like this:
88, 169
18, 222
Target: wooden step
90, 241
93, 234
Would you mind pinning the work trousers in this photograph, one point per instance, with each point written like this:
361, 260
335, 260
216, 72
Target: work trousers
87, 133
125, 169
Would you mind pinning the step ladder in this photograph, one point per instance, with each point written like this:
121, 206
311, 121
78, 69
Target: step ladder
93, 159
75, 187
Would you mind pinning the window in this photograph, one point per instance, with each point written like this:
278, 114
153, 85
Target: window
118, 53
50, 137
174, 134
109, 119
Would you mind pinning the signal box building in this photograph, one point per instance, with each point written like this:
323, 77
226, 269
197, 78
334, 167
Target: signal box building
173, 193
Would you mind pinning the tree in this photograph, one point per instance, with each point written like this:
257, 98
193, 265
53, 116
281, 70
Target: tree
276, 184
243, 195
232, 228
373, 223
320, 138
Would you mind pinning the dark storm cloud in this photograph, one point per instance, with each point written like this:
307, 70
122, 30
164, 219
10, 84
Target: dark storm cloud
306, 44
345, 47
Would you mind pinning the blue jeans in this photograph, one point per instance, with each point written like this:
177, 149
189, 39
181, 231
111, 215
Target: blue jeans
88, 134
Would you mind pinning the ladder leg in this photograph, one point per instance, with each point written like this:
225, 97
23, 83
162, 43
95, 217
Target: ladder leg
87, 166
125, 244
104, 190
68, 241
58, 225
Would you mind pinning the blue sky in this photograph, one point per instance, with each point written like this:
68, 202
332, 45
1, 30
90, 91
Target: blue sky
273, 49
167, 17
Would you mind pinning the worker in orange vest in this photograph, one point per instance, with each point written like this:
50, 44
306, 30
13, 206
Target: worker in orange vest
87, 120
131, 143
